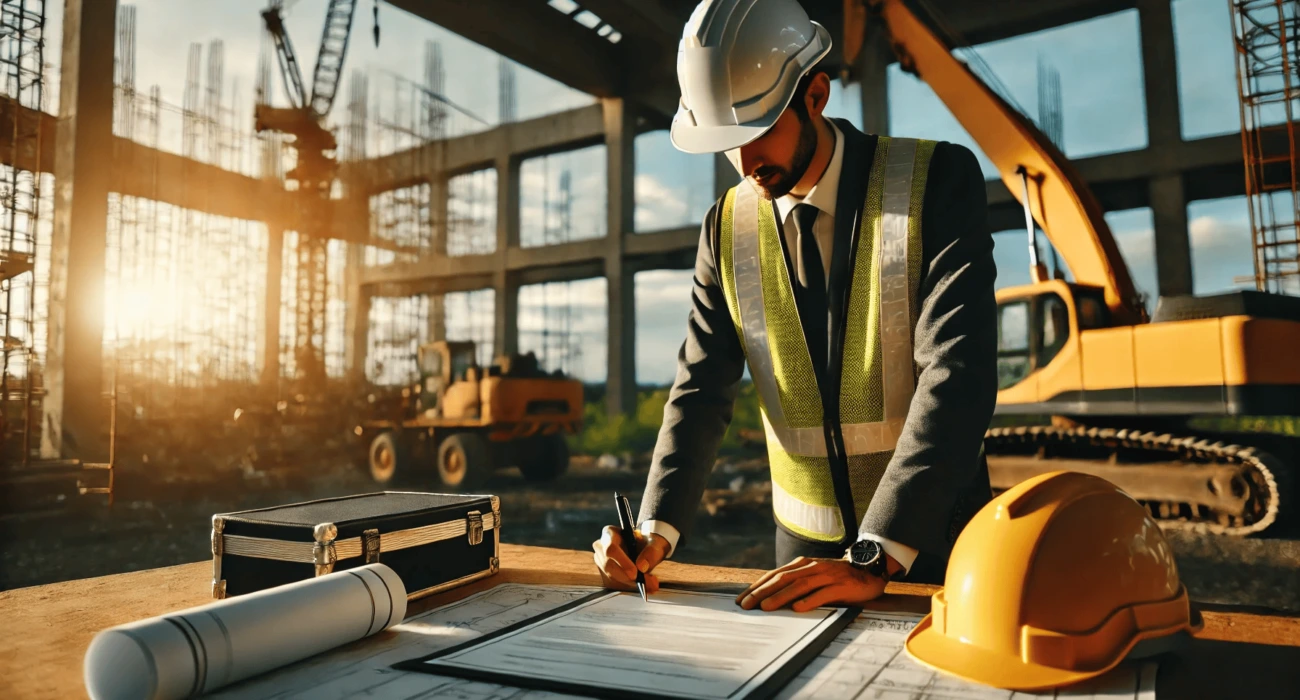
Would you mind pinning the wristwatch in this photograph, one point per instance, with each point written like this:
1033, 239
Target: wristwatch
867, 555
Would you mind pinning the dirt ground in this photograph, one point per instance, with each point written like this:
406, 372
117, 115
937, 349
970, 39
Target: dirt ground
165, 520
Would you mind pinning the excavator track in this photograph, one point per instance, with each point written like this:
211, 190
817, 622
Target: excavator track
1186, 483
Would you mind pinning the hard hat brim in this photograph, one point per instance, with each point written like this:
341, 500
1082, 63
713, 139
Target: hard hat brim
934, 650
716, 139
691, 138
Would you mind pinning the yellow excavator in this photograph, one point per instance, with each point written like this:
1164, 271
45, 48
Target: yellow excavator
1088, 381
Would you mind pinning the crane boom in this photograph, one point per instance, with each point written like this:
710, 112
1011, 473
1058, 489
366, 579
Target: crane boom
333, 49
293, 86
1059, 199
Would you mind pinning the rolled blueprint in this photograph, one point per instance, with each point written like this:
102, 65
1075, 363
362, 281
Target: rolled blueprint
196, 651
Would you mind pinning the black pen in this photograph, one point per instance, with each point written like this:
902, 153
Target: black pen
629, 538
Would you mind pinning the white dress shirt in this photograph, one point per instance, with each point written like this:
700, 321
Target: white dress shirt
823, 195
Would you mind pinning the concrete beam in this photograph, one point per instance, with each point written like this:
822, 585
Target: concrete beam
150, 173
75, 420
992, 20
567, 272
561, 131
480, 268
661, 242
32, 154
972, 22
620, 159
532, 34
1210, 167
652, 19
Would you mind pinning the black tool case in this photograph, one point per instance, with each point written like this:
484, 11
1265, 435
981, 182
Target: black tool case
433, 541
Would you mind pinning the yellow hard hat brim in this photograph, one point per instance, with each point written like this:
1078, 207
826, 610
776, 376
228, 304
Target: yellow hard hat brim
934, 650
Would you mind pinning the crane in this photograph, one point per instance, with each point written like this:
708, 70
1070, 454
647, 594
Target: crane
1087, 381
316, 166
304, 118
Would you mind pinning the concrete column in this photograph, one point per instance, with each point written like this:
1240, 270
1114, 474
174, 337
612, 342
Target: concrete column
437, 318
620, 158
438, 191
725, 175
873, 79
1173, 246
75, 414
271, 307
505, 335
507, 167
1164, 134
356, 320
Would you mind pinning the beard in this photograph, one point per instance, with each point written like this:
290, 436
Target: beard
782, 179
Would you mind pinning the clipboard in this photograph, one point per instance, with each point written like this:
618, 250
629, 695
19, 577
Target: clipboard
591, 646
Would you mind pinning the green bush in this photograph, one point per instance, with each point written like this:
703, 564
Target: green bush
637, 433
1275, 425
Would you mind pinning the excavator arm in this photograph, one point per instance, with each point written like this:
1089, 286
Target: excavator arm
1058, 198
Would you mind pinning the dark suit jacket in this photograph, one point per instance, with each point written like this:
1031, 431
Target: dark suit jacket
937, 477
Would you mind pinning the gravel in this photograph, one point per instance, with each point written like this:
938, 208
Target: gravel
162, 521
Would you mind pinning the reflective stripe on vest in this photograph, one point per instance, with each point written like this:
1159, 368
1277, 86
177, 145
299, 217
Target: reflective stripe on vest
878, 377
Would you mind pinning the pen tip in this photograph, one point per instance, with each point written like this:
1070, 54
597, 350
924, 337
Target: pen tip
643, 595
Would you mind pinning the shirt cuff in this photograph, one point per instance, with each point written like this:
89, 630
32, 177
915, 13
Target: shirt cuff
901, 553
666, 531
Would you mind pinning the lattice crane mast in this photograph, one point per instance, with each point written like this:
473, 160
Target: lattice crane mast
316, 167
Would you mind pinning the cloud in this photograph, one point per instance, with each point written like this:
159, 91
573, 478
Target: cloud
1212, 233
663, 301
1221, 252
657, 205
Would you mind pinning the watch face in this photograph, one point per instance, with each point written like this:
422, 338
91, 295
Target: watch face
865, 552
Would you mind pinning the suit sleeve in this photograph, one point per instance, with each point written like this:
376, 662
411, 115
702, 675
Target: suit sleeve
710, 365
955, 350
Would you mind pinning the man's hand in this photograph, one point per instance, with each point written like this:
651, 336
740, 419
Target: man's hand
806, 583
617, 570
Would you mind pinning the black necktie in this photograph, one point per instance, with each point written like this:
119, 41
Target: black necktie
811, 297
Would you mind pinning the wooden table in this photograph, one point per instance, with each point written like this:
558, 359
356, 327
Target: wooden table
44, 630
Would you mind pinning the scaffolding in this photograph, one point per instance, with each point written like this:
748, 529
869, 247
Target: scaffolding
404, 218
546, 321
183, 288
471, 316
24, 240
1267, 39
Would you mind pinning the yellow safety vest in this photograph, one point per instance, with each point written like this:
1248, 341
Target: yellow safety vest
878, 377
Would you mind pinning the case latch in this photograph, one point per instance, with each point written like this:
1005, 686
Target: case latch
370, 545
324, 554
475, 519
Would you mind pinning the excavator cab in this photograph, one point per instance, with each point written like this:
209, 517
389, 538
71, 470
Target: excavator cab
1038, 325
441, 363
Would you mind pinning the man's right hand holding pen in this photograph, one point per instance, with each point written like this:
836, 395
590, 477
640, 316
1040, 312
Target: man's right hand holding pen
617, 570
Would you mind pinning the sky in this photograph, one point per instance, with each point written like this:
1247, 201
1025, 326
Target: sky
1099, 62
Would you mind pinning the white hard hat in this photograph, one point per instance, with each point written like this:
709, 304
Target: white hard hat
738, 64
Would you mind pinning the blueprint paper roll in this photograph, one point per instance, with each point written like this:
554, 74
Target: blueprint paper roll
196, 651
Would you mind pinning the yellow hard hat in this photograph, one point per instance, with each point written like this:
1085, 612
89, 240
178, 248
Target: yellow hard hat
1051, 583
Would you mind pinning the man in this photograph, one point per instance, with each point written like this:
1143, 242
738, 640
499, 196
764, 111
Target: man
854, 273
